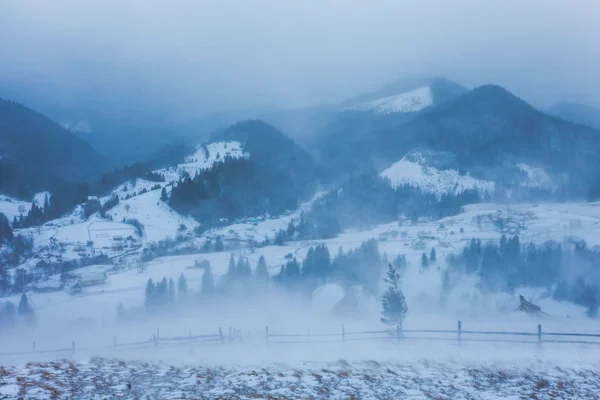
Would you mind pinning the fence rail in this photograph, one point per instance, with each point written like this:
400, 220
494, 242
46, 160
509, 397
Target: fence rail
459, 334
395, 335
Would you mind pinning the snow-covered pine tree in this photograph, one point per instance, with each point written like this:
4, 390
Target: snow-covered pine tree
219, 246
182, 287
424, 261
150, 295
171, 290
24, 308
393, 302
432, 255
243, 268
207, 285
232, 270
163, 291
262, 273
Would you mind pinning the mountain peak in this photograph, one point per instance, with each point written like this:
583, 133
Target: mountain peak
406, 95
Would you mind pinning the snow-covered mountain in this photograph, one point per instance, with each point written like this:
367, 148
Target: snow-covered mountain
411, 101
406, 96
409, 171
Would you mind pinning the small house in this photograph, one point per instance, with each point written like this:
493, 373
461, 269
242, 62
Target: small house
48, 286
91, 278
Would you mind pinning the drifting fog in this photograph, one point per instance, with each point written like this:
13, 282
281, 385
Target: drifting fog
196, 57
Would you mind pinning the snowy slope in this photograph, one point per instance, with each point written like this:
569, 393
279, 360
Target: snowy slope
204, 158
412, 101
432, 180
160, 221
12, 207
536, 177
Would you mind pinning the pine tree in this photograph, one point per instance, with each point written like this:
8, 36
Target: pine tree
150, 295
243, 269
6, 233
24, 308
182, 287
15, 223
424, 261
46, 204
163, 195
231, 270
219, 246
291, 230
393, 302
207, 285
163, 291
171, 290
262, 272
432, 255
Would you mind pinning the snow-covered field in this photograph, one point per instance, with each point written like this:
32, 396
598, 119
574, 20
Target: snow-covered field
415, 369
393, 377
533, 222
412, 101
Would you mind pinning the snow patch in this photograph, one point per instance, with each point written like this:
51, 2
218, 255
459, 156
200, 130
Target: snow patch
82, 126
432, 180
12, 207
40, 198
413, 101
537, 177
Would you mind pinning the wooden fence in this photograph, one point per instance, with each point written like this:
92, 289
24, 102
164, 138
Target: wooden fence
459, 335
155, 341
396, 335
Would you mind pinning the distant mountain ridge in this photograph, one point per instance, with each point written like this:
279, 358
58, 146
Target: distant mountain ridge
347, 144
37, 152
578, 113
437, 89
489, 127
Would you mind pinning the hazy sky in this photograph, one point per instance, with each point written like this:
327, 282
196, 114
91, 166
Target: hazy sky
209, 55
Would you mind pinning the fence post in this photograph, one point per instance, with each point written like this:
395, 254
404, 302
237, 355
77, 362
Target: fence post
190, 331
157, 334
73, 346
115, 341
539, 334
221, 335
343, 334
459, 332
267, 334
34, 347
308, 335
398, 334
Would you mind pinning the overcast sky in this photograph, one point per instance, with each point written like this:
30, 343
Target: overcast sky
211, 55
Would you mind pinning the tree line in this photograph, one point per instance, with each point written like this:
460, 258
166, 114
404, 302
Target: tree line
504, 266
